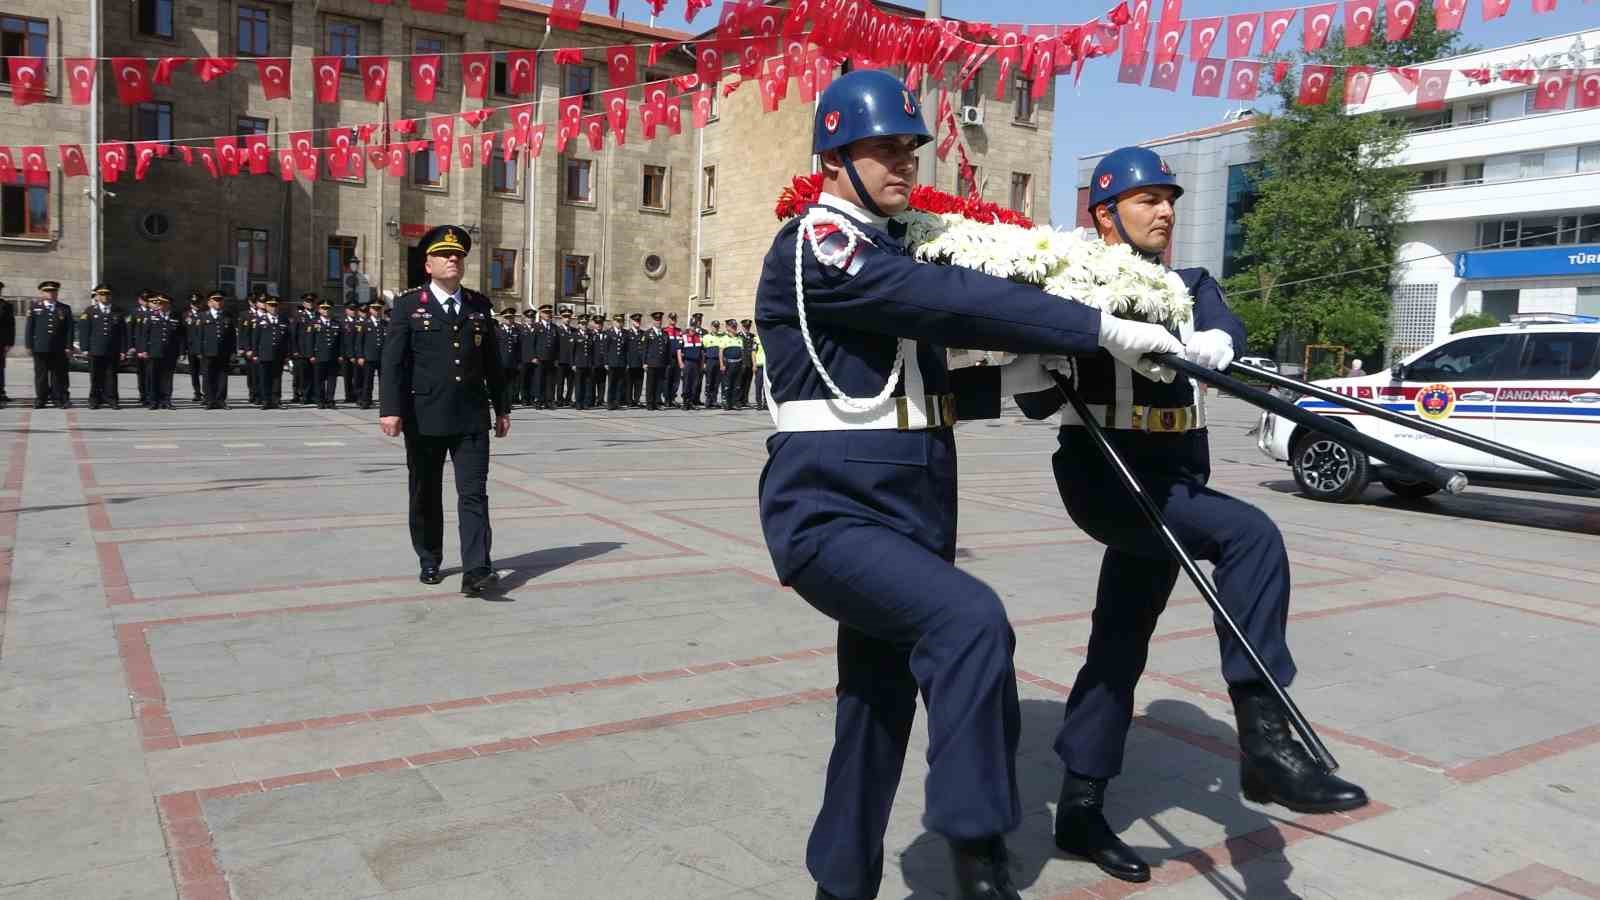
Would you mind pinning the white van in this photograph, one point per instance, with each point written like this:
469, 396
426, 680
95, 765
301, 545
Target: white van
1533, 384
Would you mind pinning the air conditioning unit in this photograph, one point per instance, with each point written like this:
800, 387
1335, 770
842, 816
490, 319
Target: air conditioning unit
972, 115
228, 282
357, 288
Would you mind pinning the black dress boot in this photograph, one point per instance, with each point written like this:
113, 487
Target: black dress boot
1082, 830
980, 869
1275, 768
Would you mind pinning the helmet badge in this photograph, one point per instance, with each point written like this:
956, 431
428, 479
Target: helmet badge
1165, 169
1105, 181
910, 105
831, 121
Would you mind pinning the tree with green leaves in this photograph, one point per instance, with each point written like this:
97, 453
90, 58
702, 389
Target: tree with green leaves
1320, 241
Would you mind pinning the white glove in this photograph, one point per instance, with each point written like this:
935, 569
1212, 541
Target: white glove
1024, 375
1212, 349
1128, 341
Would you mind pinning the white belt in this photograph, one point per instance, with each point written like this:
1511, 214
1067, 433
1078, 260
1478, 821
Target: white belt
1135, 417
916, 413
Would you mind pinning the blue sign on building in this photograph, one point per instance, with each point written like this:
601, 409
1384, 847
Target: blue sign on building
1532, 262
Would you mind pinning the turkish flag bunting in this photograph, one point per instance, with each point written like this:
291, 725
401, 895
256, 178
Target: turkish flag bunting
1275, 25
649, 117
467, 151
133, 80
703, 100
285, 165
325, 72
1041, 65
476, 117
475, 74
657, 50
522, 122
799, 16
227, 154
594, 128
1119, 15
364, 133
1555, 86
143, 153
1314, 82
305, 157
808, 84
1169, 36
443, 131
80, 79
211, 68
566, 14
35, 170
778, 69
1242, 33
568, 112
342, 141
1203, 36
166, 65
730, 87
564, 132
522, 67
1359, 17
684, 84
1280, 70
953, 134
1171, 10
113, 160
1244, 82
1165, 75
274, 78
568, 56
1357, 81
8, 169
728, 22
769, 94
691, 9
823, 65
1519, 76
485, 146
425, 76
72, 160
374, 77
620, 66
483, 10
1319, 21
1405, 77
257, 153
1589, 89
1447, 14
1544, 6
536, 142
1401, 16
708, 63
1431, 89
1478, 76
431, 6
615, 102
1208, 77
655, 99
749, 61
397, 160
378, 156
674, 118
1132, 70
27, 79
512, 142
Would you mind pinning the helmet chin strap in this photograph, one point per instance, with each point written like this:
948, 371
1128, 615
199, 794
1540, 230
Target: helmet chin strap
1116, 220
867, 203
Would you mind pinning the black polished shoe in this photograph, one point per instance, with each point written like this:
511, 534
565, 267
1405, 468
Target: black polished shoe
980, 870
1082, 830
430, 575
476, 584
822, 894
1275, 768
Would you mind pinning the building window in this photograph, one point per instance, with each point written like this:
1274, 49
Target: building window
502, 76
425, 44
25, 211
153, 121
1589, 229
1589, 301
1430, 178
21, 37
251, 251
341, 250
574, 276
1022, 193
155, 18
654, 265
972, 94
1589, 158
502, 270
248, 125
344, 40
1539, 232
1500, 305
1241, 201
967, 182
577, 186
155, 225
1023, 104
579, 80
1529, 98
706, 283
252, 38
708, 189
1472, 173
504, 172
655, 188
1477, 113
425, 168
1530, 165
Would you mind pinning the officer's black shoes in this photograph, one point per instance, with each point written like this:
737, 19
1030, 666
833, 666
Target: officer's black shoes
1082, 830
475, 584
822, 894
980, 869
430, 575
1275, 768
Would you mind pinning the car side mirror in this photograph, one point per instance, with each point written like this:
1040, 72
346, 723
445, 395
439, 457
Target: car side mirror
1398, 372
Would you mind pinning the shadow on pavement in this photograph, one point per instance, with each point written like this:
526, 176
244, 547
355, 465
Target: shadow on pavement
528, 566
1528, 508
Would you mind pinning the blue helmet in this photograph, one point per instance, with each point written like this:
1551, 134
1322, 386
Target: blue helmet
862, 104
1128, 168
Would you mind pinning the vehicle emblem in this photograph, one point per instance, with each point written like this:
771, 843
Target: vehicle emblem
1435, 402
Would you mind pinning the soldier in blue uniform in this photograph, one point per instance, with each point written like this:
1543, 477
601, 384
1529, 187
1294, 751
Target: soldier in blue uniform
102, 335
614, 344
218, 339
674, 367
633, 344
47, 335
858, 497
582, 353
508, 339
441, 377
299, 340
370, 354
270, 351
324, 337
1159, 428
655, 347
191, 339
160, 344
691, 352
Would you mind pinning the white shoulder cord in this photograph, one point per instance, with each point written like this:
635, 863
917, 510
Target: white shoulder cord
818, 216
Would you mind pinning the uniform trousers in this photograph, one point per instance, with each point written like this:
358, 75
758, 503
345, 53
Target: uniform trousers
367, 390
691, 382
616, 386
530, 383
635, 384
713, 380
910, 622
194, 375
158, 373
252, 379
469, 453
674, 376
348, 368
144, 383
655, 386
328, 381
583, 398
569, 384
549, 382
103, 379
1137, 574
216, 372
50, 377
269, 375
302, 380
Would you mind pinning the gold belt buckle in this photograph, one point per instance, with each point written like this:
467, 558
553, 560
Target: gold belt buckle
1162, 420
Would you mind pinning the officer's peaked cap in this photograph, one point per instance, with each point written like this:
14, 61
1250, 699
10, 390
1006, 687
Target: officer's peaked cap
443, 239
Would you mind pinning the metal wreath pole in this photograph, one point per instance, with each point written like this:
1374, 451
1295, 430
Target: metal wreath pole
1152, 512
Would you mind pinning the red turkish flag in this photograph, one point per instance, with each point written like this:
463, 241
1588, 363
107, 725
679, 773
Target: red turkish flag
1280, 70
285, 165
1589, 89
522, 68
749, 61
1544, 6
374, 77
1519, 76
113, 160
143, 153
364, 132
1319, 21
1203, 36
476, 117
769, 93
1555, 86
1169, 36
1357, 81
657, 50
1401, 17
429, 6
808, 84
1245, 80
655, 98
568, 111
536, 142
615, 102
1447, 14
80, 79
8, 169
522, 121
325, 70
397, 160
1432, 88
1494, 9
683, 84
72, 160
258, 153
1242, 33
822, 66
566, 14
210, 68
702, 107
1132, 70
486, 146
227, 150
1314, 82
342, 146
1275, 24
1359, 18
133, 80
674, 118
466, 151
378, 156
166, 65
443, 131
620, 66
1165, 75
778, 69
475, 69
27, 79
301, 145
483, 10
274, 78
35, 170
1478, 76
649, 117
1208, 77
568, 56
1405, 77
425, 76
564, 133
952, 134
708, 63
594, 128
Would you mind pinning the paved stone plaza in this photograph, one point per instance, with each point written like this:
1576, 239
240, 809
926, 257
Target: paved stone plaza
220, 677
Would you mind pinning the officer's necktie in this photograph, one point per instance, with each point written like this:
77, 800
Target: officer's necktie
450, 307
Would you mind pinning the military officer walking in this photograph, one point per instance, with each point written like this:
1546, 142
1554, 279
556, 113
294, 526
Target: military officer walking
442, 375
218, 341
101, 335
48, 334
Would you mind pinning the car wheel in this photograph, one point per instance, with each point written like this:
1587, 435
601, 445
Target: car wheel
1410, 490
1327, 469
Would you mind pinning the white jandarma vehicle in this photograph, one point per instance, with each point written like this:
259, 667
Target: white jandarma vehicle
1533, 384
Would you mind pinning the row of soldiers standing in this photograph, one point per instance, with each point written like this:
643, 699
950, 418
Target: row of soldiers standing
316, 348
621, 363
